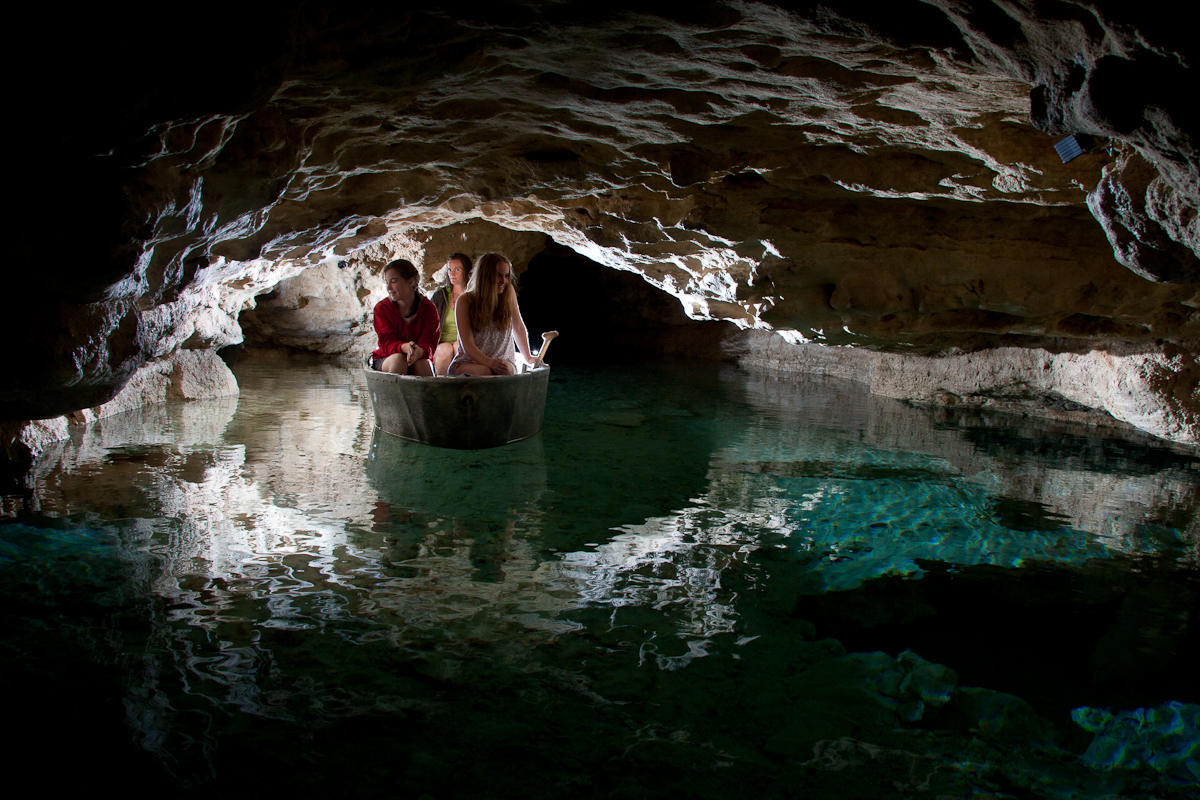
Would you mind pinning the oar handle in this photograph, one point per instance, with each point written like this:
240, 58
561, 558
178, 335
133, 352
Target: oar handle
547, 338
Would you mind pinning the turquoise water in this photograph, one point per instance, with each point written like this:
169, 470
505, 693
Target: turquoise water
693, 582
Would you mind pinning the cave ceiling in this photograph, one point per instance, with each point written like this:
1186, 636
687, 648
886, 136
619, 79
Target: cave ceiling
843, 174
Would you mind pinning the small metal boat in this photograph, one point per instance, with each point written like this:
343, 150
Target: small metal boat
461, 412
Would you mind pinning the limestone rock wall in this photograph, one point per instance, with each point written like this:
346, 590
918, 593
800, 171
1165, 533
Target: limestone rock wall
325, 309
181, 375
1155, 390
1152, 228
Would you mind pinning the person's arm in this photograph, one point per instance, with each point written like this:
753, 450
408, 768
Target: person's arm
518, 327
388, 330
439, 300
428, 330
466, 335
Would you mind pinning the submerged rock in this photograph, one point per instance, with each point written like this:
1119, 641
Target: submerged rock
1165, 739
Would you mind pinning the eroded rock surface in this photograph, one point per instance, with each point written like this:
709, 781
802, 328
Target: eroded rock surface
1152, 230
847, 176
1154, 390
181, 375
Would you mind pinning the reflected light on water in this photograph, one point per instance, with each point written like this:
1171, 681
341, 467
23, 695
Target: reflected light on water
275, 557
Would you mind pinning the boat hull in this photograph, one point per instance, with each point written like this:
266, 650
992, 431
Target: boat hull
462, 412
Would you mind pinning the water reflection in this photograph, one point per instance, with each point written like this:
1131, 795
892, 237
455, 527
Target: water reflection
468, 484
630, 570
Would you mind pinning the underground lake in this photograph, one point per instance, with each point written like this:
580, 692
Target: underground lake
695, 582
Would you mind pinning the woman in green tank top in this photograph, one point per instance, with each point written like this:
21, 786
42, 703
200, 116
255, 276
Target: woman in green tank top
458, 272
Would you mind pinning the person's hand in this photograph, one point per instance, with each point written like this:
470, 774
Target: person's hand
502, 367
414, 353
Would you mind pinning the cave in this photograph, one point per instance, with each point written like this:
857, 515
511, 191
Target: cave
614, 317
871, 458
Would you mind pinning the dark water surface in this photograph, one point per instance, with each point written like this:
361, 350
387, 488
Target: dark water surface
701, 583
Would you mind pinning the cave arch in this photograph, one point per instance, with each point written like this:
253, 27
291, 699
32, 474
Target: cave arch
607, 316
604, 315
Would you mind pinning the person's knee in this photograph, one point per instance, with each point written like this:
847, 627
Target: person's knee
394, 363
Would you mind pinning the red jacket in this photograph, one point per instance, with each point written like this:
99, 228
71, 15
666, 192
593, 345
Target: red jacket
425, 328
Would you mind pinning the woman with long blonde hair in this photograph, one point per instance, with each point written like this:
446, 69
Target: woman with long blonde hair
488, 321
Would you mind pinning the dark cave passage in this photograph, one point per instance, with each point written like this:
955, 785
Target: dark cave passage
605, 316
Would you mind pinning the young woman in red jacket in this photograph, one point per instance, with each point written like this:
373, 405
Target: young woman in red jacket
406, 323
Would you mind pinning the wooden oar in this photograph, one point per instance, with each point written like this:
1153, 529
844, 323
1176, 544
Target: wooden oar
547, 338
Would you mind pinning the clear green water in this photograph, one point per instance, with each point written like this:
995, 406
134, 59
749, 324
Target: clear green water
693, 583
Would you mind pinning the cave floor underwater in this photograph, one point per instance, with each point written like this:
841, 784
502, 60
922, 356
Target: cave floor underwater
694, 582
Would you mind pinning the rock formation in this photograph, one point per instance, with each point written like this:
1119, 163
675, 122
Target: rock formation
1152, 391
843, 175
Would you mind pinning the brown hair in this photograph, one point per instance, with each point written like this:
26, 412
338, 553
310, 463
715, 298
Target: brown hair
463, 259
489, 307
405, 269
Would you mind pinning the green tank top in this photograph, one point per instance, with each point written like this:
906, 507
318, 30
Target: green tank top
449, 325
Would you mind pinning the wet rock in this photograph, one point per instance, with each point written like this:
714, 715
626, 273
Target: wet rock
907, 684
1153, 390
326, 309
25, 441
1162, 739
183, 375
1000, 716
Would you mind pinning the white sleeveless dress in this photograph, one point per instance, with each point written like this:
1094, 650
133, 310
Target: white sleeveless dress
494, 343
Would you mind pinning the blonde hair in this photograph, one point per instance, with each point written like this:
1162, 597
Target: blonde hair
489, 307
